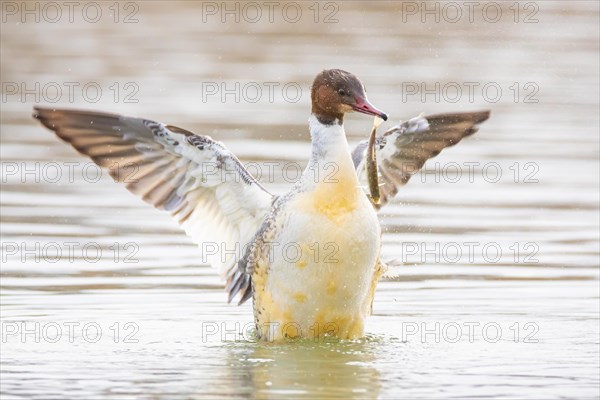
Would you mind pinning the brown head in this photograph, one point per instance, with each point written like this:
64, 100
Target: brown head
335, 92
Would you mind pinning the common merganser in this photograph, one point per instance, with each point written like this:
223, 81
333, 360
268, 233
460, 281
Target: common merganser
326, 283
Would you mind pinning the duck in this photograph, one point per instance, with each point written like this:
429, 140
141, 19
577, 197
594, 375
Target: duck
310, 258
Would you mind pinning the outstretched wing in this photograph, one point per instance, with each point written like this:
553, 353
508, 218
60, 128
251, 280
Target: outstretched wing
196, 179
402, 150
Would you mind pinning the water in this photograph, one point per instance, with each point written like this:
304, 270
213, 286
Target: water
520, 324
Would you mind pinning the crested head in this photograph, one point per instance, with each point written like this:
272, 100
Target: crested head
335, 92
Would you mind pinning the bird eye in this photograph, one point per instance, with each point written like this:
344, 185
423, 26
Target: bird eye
342, 92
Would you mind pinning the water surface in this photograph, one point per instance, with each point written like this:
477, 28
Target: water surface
522, 323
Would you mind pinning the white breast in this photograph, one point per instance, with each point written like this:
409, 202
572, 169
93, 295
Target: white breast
322, 269
323, 257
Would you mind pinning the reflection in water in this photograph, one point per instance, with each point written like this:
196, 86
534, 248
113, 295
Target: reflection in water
308, 369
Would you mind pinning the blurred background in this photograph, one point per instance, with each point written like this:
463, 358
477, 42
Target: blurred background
501, 231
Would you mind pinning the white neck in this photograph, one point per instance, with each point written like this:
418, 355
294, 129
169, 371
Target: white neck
330, 154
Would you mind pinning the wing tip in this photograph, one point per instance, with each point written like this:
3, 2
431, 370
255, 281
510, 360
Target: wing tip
38, 111
481, 116
477, 118
42, 114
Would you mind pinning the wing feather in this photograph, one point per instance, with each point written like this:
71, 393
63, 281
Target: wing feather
196, 179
